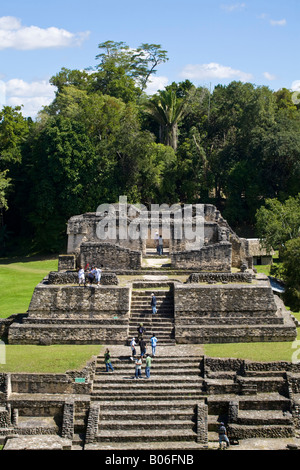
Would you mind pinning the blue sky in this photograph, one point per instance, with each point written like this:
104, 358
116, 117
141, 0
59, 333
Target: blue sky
208, 41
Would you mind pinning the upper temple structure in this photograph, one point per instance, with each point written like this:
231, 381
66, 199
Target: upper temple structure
204, 279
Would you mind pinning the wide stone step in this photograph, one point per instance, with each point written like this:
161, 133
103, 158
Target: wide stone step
161, 329
264, 417
153, 396
271, 384
139, 404
139, 435
147, 385
224, 320
261, 401
139, 385
174, 360
186, 447
115, 380
240, 431
265, 373
129, 424
187, 414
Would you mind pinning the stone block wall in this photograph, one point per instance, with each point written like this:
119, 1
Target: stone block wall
71, 277
110, 256
216, 257
229, 299
66, 262
55, 301
230, 313
219, 277
62, 314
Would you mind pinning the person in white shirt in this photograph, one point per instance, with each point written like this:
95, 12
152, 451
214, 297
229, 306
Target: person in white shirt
156, 237
81, 276
153, 344
133, 350
97, 273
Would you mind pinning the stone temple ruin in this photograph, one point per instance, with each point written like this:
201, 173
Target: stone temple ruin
207, 292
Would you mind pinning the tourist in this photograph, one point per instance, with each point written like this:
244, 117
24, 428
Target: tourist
141, 331
153, 344
97, 274
133, 350
148, 366
143, 346
160, 245
91, 276
138, 368
156, 237
81, 276
107, 361
153, 303
223, 435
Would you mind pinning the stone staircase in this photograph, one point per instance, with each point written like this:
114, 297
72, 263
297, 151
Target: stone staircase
253, 403
159, 412
162, 323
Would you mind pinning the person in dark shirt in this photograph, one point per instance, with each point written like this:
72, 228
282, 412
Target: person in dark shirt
141, 332
223, 435
153, 304
143, 347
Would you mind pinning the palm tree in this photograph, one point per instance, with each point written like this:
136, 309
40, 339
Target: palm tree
167, 110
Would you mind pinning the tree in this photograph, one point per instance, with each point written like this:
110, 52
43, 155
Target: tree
278, 222
80, 79
61, 178
14, 130
4, 185
291, 273
138, 64
167, 110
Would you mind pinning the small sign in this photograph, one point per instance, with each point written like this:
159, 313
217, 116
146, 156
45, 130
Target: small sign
80, 380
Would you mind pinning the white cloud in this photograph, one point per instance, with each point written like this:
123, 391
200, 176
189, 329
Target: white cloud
32, 96
269, 76
156, 83
278, 22
15, 36
213, 71
296, 85
233, 7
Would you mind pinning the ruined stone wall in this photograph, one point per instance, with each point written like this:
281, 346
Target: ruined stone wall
230, 313
62, 314
109, 256
55, 301
195, 278
229, 299
70, 277
216, 257
83, 229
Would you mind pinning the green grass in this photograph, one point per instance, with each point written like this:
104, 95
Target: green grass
262, 352
47, 359
18, 279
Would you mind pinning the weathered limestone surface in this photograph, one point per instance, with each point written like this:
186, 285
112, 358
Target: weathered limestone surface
52, 300
109, 256
62, 314
216, 257
224, 313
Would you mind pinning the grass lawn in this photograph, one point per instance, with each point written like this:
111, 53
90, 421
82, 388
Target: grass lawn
47, 359
262, 352
18, 279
